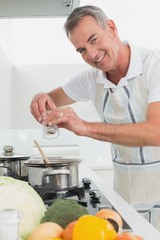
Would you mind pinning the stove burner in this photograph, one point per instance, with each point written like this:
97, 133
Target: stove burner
79, 192
13, 175
85, 194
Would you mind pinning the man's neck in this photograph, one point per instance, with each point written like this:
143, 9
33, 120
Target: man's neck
122, 67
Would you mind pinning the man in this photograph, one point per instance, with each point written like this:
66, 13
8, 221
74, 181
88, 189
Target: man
124, 85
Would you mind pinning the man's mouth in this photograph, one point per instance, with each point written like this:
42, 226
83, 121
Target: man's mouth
100, 59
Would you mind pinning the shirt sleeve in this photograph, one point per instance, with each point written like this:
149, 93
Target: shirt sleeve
82, 86
153, 77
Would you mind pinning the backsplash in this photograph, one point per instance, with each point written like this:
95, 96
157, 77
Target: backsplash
91, 151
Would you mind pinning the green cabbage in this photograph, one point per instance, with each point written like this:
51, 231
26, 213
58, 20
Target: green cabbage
17, 194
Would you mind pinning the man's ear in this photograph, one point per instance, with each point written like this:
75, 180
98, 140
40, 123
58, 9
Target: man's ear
111, 26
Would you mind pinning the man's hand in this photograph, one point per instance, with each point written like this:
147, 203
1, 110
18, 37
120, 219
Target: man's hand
40, 104
66, 118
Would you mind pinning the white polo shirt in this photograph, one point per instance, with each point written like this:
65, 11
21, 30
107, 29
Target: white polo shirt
82, 87
127, 103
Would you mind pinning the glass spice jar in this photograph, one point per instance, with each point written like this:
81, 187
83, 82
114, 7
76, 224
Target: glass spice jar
50, 132
9, 224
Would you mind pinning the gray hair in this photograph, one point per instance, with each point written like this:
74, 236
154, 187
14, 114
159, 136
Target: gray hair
78, 13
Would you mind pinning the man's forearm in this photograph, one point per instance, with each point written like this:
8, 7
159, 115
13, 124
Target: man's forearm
138, 134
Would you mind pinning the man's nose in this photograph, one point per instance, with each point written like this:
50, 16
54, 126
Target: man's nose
91, 52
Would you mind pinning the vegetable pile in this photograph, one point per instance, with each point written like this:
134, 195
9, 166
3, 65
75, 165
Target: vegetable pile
65, 219
19, 195
86, 227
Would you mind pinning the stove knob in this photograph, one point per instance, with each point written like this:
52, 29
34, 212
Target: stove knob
94, 194
105, 206
86, 183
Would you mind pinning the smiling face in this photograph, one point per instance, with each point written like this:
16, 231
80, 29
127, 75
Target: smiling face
98, 47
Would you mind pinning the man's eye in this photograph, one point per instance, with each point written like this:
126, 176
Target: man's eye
81, 50
93, 40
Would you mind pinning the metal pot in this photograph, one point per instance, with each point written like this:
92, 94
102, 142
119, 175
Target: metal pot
12, 165
60, 173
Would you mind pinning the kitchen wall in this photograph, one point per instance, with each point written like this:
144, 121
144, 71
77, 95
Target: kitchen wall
52, 65
18, 85
5, 89
19, 45
27, 42
5, 75
30, 79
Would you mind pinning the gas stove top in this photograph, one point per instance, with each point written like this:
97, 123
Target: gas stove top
85, 194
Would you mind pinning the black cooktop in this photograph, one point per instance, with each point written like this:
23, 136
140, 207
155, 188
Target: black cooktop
85, 194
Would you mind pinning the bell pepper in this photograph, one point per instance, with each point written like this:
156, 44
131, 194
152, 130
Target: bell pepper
92, 227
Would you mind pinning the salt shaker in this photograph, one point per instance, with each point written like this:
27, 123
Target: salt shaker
9, 224
50, 132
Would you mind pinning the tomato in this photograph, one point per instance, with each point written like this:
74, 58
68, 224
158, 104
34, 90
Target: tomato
91, 227
68, 231
111, 214
55, 239
127, 236
46, 231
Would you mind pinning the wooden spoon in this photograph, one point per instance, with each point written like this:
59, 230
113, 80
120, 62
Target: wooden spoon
45, 158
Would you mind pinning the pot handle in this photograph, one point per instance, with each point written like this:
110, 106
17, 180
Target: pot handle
57, 172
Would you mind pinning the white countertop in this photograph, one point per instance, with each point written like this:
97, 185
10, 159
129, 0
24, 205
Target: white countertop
100, 167
139, 225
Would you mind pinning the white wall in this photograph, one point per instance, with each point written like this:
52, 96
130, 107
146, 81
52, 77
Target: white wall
136, 20
27, 81
42, 42
5, 75
31, 79
5, 90
17, 126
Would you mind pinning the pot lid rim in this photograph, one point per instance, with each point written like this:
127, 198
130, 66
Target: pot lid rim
54, 160
14, 157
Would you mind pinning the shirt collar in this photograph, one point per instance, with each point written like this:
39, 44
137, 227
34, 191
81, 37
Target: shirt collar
135, 69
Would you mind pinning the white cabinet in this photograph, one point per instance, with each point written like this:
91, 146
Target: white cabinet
105, 173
